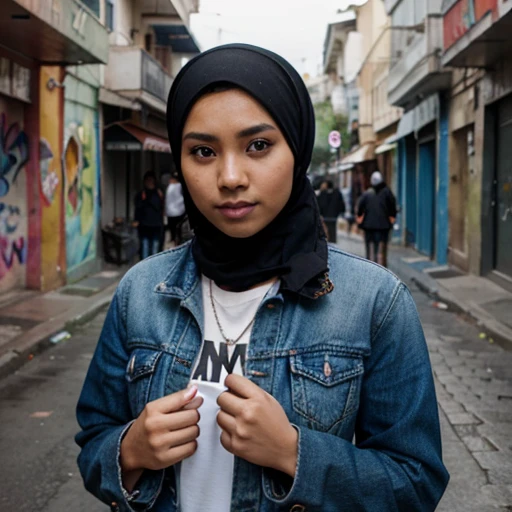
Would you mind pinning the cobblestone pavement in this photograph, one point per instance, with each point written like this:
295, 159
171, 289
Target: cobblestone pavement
473, 379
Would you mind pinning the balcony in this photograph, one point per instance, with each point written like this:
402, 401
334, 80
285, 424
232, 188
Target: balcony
479, 38
132, 72
418, 72
175, 8
65, 32
390, 5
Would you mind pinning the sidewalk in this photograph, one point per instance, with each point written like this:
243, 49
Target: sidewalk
29, 320
485, 302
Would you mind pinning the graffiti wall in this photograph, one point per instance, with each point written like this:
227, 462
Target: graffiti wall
14, 154
53, 238
80, 176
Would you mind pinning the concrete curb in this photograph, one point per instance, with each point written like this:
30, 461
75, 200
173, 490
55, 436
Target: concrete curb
36, 340
493, 328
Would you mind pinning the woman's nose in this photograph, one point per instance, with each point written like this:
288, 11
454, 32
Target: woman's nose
231, 173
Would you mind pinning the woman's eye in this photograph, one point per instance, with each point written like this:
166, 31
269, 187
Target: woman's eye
259, 145
203, 152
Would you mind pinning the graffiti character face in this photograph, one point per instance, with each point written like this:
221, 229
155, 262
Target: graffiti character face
9, 219
14, 153
72, 162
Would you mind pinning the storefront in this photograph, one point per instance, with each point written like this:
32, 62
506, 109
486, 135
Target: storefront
130, 150
479, 37
422, 187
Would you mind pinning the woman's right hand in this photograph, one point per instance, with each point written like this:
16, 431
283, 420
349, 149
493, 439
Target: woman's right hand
165, 433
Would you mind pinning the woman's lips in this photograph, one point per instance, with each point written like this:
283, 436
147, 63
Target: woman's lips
237, 210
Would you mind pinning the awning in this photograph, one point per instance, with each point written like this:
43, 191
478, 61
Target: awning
109, 97
59, 33
363, 154
178, 37
388, 145
126, 136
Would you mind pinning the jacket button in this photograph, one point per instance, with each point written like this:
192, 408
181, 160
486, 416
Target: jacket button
298, 508
114, 507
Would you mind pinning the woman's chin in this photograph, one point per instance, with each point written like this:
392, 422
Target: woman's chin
240, 230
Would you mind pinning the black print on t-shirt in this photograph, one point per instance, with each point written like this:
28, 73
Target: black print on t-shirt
218, 361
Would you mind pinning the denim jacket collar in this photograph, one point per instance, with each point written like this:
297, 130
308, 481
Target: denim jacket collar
183, 278
182, 281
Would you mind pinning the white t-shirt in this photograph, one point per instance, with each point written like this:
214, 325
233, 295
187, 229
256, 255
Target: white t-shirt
206, 478
174, 202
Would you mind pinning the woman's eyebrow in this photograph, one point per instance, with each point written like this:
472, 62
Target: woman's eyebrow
254, 130
247, 132
204, 137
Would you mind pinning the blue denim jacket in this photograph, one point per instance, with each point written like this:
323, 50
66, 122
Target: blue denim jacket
351, 370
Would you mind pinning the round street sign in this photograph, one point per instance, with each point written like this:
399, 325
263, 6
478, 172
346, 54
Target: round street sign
335, 139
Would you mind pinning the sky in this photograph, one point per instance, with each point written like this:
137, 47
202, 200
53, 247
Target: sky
295, 29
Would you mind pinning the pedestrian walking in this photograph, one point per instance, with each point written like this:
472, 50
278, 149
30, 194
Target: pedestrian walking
332, 205
256, 367
376, 212
149, 216
174, 206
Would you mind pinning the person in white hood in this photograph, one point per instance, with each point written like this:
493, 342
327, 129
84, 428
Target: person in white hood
174, 206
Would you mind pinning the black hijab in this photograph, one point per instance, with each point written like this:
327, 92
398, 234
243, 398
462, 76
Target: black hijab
293, 246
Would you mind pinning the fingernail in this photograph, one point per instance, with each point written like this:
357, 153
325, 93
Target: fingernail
191, 391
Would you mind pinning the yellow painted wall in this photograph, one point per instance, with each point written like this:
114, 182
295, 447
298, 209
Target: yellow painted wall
53, 264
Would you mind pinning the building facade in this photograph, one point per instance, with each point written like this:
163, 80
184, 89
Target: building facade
376, 119
477, 45
418, 83
149, 43
49, 195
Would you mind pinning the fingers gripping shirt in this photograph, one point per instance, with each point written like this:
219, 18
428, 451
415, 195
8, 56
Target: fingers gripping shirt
206, 478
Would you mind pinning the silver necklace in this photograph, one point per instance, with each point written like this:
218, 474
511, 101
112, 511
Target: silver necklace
229, 341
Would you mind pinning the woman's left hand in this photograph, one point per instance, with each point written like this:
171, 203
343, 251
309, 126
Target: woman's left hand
255, 427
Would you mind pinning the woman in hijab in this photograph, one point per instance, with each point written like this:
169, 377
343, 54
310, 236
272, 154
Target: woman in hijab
244, 371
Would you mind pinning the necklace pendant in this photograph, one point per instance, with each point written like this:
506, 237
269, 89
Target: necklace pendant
230, 342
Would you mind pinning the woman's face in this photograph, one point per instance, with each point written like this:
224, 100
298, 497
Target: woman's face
236, 163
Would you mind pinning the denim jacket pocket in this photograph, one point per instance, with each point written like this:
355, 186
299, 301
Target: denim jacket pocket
139, 372
325, 386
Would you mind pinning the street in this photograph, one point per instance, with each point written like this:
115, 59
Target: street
474, 385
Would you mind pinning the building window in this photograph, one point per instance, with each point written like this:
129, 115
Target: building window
93, 5
109, 14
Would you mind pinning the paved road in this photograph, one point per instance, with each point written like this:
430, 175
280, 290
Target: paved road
473, 378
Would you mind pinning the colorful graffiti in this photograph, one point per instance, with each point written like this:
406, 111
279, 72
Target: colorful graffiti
80, 175
12, 247
13, 153
463, 15
49, 179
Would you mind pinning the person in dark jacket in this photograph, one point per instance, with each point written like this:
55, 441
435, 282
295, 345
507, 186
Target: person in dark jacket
331, 204
376, 213
149, 216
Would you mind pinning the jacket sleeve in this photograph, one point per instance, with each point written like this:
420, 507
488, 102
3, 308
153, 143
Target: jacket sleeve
391, 204
138, 207
395, 463
361, 205
104, 415
342, 207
